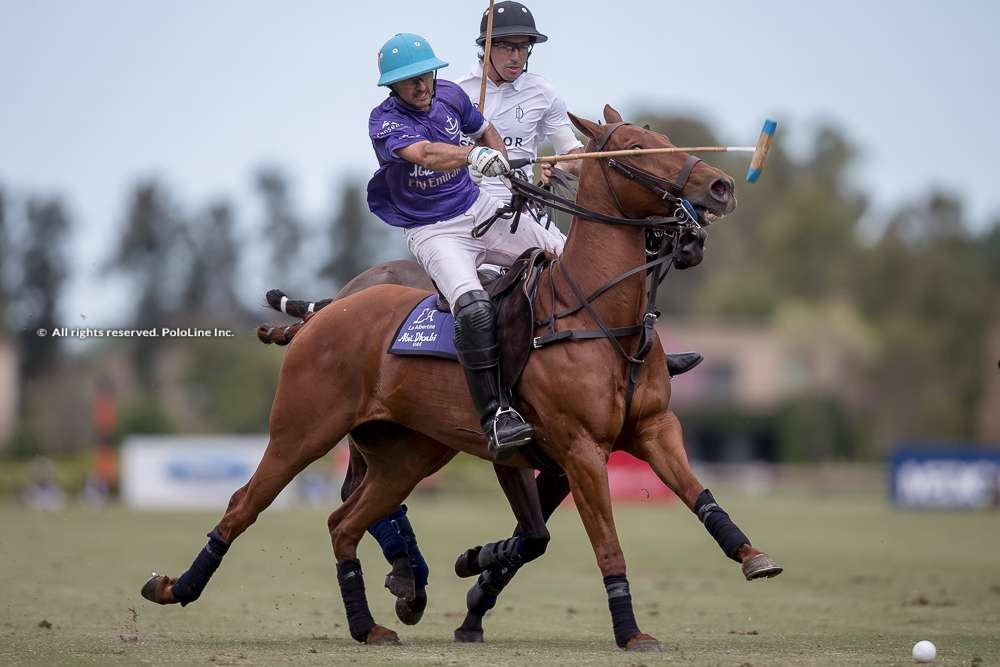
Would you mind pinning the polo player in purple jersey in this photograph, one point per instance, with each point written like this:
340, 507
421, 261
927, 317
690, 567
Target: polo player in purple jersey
423, 186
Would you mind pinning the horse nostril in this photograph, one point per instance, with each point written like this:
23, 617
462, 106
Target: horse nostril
722, 189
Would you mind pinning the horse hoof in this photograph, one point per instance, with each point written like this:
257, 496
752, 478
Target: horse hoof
379, 636
402, 587
155, 589
411, 611
761, 566
469, 636
467, 564
643, 643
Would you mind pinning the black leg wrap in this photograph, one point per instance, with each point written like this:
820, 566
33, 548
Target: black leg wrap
189, 585
533, 547
719, 525
467, 564
483, 594
505, 553
620, 604
352, 589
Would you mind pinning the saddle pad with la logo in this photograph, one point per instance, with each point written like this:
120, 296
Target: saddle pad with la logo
426, 332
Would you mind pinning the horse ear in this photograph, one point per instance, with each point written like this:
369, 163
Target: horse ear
611, 116
589, 128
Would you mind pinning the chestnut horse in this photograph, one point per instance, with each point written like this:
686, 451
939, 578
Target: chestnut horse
409, 415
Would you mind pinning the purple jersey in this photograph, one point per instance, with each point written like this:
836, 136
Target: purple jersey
405, 194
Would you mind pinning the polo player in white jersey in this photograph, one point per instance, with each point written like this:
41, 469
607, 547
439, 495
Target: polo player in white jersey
527, 111
523, 107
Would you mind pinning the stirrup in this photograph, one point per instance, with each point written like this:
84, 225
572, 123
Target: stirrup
501, 450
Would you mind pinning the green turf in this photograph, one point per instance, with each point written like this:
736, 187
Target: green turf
862, 584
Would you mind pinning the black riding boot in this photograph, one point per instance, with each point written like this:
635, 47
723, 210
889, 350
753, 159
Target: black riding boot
476, 343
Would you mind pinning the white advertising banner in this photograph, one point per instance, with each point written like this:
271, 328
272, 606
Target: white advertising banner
190, 472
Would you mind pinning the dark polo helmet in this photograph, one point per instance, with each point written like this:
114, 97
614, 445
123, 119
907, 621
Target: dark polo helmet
510, 18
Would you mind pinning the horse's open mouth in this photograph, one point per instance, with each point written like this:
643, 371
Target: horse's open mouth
707, 215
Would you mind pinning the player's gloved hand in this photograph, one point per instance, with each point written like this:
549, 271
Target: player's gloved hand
487, 162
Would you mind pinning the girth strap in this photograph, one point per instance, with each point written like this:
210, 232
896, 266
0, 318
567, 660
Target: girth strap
597, 318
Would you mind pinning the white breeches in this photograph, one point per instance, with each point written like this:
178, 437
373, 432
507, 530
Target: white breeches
449, 254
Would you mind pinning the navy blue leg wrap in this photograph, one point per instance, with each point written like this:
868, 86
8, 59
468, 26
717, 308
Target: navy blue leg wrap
189, 585
388, 537
396, 537
620, 604
352, 589
483, 594
719, 525
421, 571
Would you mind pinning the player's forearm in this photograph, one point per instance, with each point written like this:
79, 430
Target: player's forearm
436, 155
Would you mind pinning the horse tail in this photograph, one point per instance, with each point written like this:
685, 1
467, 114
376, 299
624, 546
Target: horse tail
282, 335
278, 300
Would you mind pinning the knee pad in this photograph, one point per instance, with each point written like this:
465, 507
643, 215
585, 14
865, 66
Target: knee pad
475, 332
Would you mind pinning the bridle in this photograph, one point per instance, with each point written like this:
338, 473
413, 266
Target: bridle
667, 190
684, 218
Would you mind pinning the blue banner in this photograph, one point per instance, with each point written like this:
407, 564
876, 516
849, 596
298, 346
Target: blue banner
945, 479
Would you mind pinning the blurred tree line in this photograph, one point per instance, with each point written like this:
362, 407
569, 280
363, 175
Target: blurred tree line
180, 269
915, 294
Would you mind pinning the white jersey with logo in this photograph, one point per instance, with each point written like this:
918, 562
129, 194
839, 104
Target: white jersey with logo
526, 113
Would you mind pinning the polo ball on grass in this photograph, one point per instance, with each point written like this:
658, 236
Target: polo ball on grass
924, 651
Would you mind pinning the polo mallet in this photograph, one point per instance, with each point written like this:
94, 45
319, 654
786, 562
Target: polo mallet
486, 58
753, 173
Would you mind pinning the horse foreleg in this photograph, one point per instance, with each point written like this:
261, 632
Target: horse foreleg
498, 562
586, 469
661, 445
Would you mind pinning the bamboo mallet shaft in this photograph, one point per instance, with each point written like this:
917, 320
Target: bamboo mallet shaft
486, 58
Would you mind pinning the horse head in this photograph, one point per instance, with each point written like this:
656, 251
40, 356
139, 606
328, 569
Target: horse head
711, 191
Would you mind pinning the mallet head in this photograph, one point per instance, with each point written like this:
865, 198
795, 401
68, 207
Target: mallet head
760, 152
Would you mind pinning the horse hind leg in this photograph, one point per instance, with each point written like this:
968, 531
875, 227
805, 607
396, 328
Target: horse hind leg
396, 537
279, 465
663, 449
392, 474
398, 541
407, 579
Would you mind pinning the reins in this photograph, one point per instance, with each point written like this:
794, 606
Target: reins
684, 217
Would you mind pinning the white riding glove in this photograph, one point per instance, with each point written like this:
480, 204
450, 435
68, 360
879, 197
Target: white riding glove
487, 162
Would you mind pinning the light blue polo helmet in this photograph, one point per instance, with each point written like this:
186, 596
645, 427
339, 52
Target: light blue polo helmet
405, 56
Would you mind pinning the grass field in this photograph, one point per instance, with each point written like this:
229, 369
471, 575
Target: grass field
862, 583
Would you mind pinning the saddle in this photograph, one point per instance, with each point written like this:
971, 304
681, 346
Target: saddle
513, 294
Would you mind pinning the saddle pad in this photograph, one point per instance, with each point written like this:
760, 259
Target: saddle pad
426, 332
